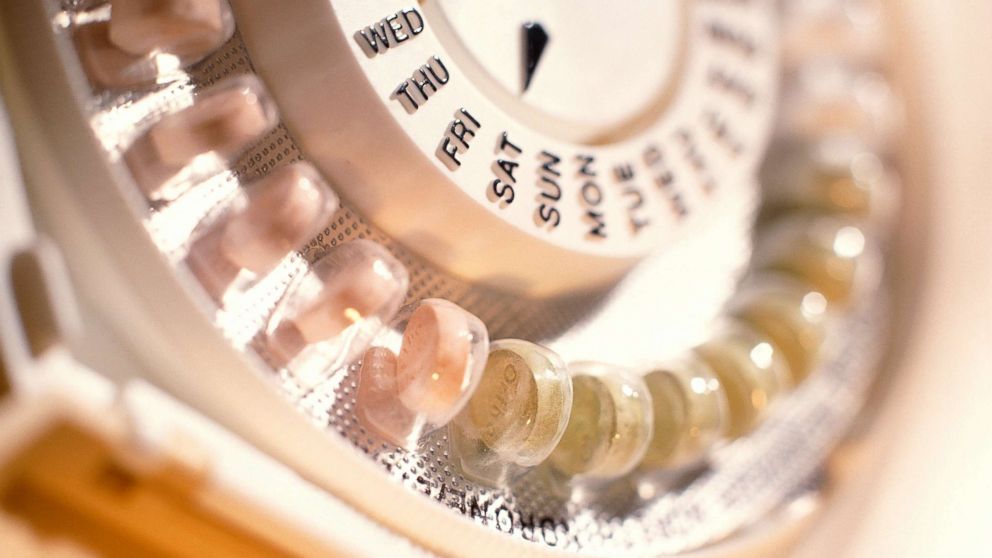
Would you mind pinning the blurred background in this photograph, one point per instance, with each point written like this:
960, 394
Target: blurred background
918, 480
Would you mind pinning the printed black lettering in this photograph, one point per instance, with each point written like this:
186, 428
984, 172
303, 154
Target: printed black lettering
389, 32
501, 192
457, 139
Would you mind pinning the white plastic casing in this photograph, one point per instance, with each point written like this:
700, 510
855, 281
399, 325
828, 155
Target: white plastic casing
431, 170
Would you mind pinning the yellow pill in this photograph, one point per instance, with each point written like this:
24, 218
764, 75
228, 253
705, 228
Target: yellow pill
610, 424
690, 412
791, 314
840, 175
752, 373
824, 251
516, 416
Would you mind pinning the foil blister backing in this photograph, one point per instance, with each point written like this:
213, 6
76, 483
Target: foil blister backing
746, 480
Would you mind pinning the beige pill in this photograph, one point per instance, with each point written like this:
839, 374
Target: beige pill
284, 209
501, 411
187, 28
224, 121
353, 283
634, 427
671, 418
515, 417
591, 426
554, 403
376, 404
435, 360
106, 64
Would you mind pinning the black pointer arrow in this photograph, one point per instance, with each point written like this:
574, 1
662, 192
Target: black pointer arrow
535, 39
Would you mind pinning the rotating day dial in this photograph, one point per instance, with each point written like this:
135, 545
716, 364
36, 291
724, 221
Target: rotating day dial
542, 149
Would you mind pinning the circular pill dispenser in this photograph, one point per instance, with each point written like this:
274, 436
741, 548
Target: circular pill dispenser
465, 167
625, 236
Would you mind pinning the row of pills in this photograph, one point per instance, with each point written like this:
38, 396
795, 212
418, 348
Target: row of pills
341, 300
827, 188
509, 405
596, 422
144, 42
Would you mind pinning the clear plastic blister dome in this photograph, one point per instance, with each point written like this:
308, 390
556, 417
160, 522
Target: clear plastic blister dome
516, 416
420, 371
199, 140
793, 315
138, 43
334, 310
690, 413
264, 224
751, 370
609, 427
